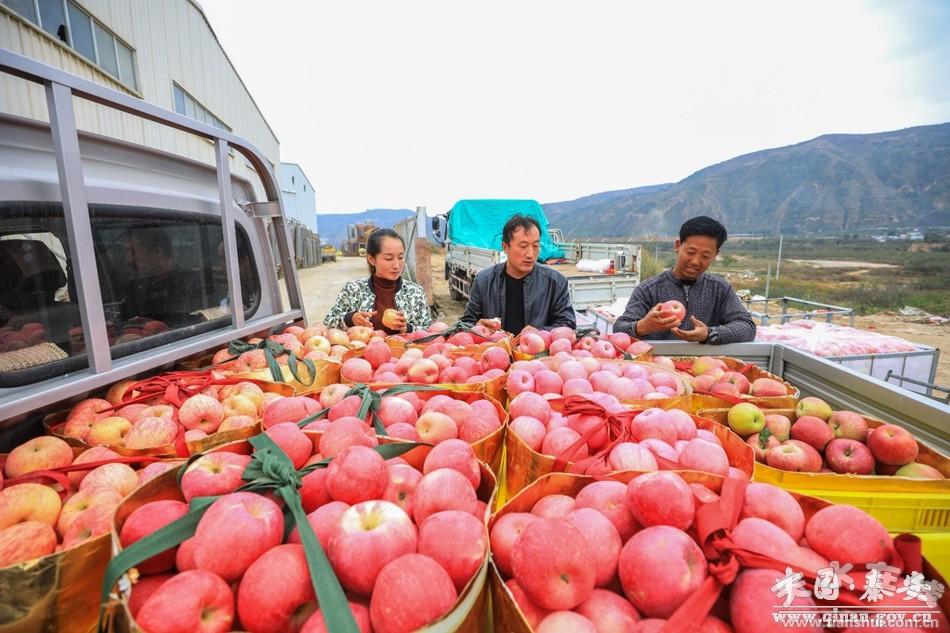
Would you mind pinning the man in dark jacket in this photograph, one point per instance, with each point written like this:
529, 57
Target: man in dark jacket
519, 291
714, 313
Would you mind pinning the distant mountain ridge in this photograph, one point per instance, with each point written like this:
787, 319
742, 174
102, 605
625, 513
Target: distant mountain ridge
833, 183
332, 226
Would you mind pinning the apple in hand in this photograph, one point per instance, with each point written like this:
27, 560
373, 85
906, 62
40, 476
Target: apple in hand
673, 308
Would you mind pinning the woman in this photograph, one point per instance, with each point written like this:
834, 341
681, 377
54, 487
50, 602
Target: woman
366, 301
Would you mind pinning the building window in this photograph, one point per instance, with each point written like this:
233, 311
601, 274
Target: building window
74, 26
190, 107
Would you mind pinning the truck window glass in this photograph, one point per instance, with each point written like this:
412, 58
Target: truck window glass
161, 273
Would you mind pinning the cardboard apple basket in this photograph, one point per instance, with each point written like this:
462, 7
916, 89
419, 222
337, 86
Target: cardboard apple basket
707, 529
488, 449
56, 422
681, 401
468, 615
752, 373
494, 388
523, 465
519, 355
60, 591
296, 374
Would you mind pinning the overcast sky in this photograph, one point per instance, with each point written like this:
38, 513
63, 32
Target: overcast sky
399, 104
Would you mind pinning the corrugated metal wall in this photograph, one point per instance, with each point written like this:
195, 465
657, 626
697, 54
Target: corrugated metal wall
173, 43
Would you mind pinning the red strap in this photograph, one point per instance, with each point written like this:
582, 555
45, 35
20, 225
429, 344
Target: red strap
59, 475
722, 396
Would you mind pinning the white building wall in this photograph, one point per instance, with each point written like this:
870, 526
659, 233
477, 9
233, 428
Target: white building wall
173, 42
298, 195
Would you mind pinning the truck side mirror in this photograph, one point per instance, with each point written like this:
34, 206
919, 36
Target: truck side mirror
435, 225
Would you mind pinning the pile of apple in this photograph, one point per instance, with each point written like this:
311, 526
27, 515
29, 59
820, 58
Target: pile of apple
427, 366
142, 426
660, 439
823, 440
565, 375
382, 524
414, 416
482, 336
27, 335
712, 375
623, 557
37, 519
533, 341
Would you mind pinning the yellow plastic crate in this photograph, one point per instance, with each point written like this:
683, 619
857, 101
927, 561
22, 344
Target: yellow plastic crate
903, 505
936, 549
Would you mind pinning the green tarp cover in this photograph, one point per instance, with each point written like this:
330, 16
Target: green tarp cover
478, 223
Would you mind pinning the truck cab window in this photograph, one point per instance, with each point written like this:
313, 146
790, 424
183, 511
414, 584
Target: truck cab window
162, 278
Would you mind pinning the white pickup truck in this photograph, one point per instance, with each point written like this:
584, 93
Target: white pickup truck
464, 260
118, 260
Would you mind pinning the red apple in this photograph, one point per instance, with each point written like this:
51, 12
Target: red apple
610, 499
771, 503
504, 533
661, 498
603, 542
346, 432
235, 531
531, 612
750, 605
551, 562
440, 490
323, 520
849, 456
849, 425
411, 592
356, 474
794, 456
813, 431
149, 518
189, 602
457, 455
463, 554
214, 474
848, 535
25, 541
673, 308
360, 613
659, 568
368, 536
893, 445
276, 593
41, 453
566, 622
609, 612
553, 507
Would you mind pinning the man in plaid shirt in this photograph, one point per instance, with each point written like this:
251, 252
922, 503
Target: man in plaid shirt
714, 313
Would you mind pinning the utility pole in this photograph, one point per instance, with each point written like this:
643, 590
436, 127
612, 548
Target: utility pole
778, 264
768, 277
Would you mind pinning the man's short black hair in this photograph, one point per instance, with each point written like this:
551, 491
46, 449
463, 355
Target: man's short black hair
515, 222
705, 226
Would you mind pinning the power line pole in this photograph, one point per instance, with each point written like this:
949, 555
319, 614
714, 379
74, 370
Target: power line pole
778, 264
768, 277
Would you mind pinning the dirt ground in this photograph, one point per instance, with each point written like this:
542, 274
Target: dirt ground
322, 284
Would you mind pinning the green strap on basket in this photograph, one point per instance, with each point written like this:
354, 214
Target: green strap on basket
269, 469
370, 404
273, 350
455, 329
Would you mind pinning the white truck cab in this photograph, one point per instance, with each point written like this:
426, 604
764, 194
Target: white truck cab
118, 259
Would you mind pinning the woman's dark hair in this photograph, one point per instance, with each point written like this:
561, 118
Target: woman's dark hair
374, 243
705, 226
515, 222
